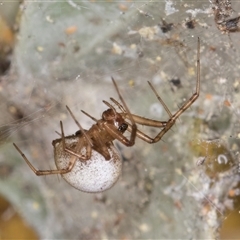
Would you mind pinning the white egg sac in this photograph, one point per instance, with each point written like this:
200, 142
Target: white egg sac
94, 175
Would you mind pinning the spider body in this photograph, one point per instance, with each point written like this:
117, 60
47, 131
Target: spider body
102, 170
88, 160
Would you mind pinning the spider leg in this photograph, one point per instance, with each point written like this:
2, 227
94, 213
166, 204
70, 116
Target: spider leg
74, 156
58, 133
80, 127
187, 104
130, 142
138, 119
158, 97
78, 147
141, 135
46, 172
118, 104
110, 106
25, 158
111, 129
94, 119
160, 100
165, 125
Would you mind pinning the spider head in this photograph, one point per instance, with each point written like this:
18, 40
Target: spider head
116, 119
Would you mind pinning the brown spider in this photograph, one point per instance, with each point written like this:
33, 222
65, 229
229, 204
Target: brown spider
88, 159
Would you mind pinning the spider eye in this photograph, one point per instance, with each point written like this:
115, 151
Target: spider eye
123, 127
77, 133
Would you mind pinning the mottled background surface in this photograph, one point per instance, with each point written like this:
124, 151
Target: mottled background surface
64, 53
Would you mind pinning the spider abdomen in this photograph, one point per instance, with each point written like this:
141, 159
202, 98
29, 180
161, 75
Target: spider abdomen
94, 175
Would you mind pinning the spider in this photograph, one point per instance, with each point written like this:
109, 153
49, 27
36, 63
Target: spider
88, 159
